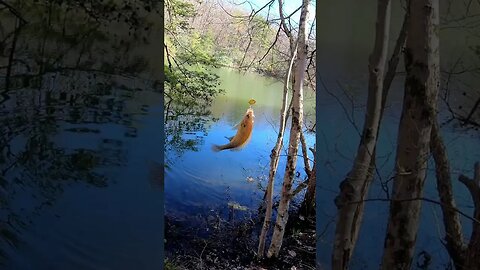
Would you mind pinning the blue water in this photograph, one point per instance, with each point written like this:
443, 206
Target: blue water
339, 142
202, 183
83, 192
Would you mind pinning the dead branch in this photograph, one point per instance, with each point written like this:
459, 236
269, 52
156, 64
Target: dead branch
473, 219
14, 12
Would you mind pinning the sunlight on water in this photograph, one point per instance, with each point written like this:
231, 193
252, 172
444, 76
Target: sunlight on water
203, 181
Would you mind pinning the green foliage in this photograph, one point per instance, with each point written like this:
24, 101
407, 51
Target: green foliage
187, 92
201, 50
178, 14
190, 84
188, 55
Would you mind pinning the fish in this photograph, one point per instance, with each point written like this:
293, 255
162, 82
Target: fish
243, 135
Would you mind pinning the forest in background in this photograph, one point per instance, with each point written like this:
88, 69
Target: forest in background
203, 35
220, 33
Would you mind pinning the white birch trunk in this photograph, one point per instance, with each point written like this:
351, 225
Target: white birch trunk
418, 114
451, 219
297, 120
274, 157
472, 253
308, 205
354, 188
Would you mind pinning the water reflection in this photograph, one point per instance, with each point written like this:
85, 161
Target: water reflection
215, 196
51, 140
185, 133
75, 81
188, 94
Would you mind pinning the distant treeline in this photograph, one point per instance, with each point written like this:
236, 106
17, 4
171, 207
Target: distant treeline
223, 34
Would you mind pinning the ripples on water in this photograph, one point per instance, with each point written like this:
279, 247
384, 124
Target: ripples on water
75, 158
205, 189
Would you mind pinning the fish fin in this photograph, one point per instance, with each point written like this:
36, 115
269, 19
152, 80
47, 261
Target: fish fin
229, 138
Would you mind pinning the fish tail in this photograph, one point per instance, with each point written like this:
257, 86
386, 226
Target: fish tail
217, 148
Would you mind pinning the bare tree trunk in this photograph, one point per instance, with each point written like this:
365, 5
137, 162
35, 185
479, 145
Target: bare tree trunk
305, 153
285, 28
389, 76
387, 82
297, 120
451, 219
308, 204
274, 157
354, 187
465, 257
418, 113
393, 62
472, 255
18, 27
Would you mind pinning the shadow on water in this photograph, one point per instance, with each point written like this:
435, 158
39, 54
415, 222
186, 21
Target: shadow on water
79, 111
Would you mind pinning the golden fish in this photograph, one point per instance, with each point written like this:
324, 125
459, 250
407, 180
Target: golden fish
244, 132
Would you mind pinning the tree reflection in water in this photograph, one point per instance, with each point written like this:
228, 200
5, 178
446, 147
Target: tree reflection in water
36, 161
68, 69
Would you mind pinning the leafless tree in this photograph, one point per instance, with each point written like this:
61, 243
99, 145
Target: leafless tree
418, 113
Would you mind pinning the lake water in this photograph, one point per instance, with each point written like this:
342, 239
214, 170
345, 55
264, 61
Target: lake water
339, 142
343, 57
77, 162
201, 184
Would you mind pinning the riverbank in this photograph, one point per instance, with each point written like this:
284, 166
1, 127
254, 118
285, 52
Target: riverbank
233, 245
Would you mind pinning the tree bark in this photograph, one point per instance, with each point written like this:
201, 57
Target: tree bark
274, 157
451, 219
297, 120
418, 114
472, 253
387, 82
285, 28
308, 205
354, 187
465, 257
